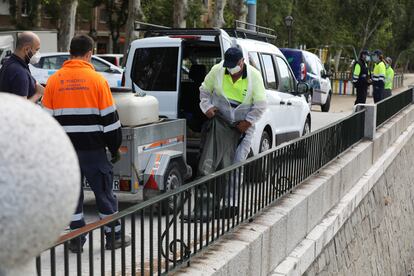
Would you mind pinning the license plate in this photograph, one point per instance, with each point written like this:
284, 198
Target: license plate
115, 184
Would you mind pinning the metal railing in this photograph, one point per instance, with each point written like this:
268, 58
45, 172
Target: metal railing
341, 83
164, 242
388, 107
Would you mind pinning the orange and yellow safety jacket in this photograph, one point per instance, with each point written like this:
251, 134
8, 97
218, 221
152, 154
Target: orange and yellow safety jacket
81, 101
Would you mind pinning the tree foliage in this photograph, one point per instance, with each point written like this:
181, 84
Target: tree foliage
361, 24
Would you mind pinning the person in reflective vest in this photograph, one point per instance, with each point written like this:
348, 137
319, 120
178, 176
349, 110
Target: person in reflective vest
233, 91
378, 76
361, 77
236, 91
80, 99
389, 78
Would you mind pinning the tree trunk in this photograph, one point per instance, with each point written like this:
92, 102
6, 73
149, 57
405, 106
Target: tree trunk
337, 59
239, 9
38, 18
218, 14
67, 24
180, 12
135, 14
18, 11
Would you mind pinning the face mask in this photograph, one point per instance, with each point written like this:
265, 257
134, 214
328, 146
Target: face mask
35, 58
367, 58
234, 70
375, 59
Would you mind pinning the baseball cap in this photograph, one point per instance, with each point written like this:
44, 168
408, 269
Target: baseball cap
231, 57
377, 52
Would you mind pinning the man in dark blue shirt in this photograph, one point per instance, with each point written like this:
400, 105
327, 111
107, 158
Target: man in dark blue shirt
15, 76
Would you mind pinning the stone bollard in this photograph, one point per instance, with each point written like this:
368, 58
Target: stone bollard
39, 183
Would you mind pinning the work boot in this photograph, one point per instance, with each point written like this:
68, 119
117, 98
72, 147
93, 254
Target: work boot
74, 245
229, 212
201, 214
118, 243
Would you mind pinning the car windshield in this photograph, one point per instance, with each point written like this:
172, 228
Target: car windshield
155, 69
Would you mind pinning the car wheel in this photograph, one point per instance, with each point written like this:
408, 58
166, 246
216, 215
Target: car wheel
301, 147
265, 142
173, 179
306, 127
309, 99
325, 107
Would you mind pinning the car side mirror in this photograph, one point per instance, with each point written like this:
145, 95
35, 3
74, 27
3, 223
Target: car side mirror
302, 88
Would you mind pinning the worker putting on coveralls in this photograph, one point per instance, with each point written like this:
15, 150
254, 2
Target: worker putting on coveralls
80, 99
378, 76
362, 77
233, 97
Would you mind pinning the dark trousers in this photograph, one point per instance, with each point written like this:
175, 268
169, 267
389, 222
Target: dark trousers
378, 93
361, 94
97, 170
387, 93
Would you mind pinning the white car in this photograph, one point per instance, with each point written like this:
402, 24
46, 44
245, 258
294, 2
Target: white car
115, 59
51, 62
155, 67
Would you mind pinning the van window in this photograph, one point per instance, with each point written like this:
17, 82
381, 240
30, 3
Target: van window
254, 61
155, 69
270, 73
309, 63
320, 67
286, 79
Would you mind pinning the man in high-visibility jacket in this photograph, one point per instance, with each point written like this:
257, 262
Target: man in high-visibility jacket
235, 91
80, 99
389, 78
361, 77
378, 76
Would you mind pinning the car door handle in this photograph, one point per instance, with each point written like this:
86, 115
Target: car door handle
289, 103
282, 102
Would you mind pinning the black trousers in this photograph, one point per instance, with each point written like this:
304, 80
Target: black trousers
97, 170
361, 94
387, 93
378, 93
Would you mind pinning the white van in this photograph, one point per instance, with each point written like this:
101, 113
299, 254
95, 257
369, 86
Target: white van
171, 64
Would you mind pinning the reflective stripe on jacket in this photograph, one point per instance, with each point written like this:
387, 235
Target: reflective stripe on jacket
379, 73
81, 101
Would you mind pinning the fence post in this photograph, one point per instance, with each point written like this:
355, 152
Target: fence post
411, 86
39, 183
370, 126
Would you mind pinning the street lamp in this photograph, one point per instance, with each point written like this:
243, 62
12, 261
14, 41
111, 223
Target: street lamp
289, 22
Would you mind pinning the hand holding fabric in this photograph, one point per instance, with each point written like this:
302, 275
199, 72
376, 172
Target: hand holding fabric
243, 126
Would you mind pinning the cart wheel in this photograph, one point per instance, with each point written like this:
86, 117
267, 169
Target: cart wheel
173, 179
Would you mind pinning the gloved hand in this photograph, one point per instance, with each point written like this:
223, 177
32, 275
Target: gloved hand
243, 126
116, 156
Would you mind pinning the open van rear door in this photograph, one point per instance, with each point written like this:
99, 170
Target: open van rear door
226, 42
155, 71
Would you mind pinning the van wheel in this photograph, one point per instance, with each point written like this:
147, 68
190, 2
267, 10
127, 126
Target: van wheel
265, 142
309, 99
301, 150
306, 127
325, 107
265, 145
173, 179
